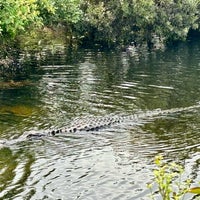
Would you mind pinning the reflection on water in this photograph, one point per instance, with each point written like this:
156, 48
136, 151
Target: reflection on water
114, 163
15, 169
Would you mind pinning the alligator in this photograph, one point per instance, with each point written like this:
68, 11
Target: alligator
92, 123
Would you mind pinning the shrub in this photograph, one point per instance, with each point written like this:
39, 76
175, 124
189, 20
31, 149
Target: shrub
168, 178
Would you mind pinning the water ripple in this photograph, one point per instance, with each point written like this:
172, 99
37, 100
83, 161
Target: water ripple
112, 163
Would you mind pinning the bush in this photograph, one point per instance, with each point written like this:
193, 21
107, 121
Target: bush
168, 178
107, 22
139, 21
16, 15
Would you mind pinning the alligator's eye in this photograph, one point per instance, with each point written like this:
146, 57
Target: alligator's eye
29, 135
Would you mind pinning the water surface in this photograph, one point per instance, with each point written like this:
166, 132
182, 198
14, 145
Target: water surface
115, 162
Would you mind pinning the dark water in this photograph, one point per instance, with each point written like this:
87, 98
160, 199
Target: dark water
113, 163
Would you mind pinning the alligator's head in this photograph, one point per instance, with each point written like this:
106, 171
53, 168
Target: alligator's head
3, 143
33, 135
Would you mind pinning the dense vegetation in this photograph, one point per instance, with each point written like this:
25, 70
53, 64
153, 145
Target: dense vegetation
115, 22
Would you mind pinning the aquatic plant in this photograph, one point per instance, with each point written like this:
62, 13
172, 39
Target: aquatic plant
168, 179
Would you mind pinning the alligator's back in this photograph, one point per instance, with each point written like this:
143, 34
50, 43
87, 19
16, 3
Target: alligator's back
93, 123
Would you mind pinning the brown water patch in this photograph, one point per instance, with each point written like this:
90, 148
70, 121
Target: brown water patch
19, 110
14, 84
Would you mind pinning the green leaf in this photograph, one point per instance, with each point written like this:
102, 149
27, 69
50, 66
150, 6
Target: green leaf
195, 190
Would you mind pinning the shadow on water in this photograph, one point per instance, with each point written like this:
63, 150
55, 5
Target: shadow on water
115, 162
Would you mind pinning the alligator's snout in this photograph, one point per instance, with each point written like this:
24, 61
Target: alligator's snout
35, 135
2, 142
